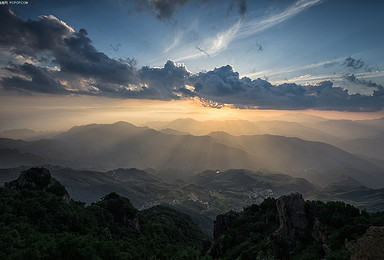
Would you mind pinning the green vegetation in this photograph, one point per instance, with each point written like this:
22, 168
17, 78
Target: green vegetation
252, 233
35, 224
39, 221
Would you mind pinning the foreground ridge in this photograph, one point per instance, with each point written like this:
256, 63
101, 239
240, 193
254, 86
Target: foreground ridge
290, 228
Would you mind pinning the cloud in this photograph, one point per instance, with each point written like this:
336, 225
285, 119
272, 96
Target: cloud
166, 83
353, 63
64, 62
223, 86
163, 9
330, 64
259, 47
352, 78
33, 79
243, 28
50, 40
258, 25
241, 5
116, 47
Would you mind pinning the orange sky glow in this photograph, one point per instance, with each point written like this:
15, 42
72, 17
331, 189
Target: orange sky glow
60, 113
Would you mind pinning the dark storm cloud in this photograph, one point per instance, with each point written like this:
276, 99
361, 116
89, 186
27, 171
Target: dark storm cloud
49, 40
83, 59
168, 82
223, 85
72, 51
32, 79
367, 83
57, 60
25, 38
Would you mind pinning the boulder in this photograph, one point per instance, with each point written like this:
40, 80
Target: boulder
370, 246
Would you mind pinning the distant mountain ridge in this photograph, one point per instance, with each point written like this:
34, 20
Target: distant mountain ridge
27, 134
123, 145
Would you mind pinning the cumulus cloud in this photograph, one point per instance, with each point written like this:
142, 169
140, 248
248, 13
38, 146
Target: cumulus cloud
50, 39
65, 62
30, 78
167, 82
223, 86
367, 83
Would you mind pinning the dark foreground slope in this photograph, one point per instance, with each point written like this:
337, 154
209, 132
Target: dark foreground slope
36, 223
38, 220
290, 228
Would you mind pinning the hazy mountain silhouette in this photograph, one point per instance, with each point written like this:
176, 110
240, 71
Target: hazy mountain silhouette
372, 147
123, 145
27, 134
348, 129
244, 127
305, 159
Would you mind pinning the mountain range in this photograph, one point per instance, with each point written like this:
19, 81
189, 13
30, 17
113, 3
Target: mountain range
123, 145
206, 175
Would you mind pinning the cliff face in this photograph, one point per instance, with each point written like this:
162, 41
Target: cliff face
370, 246
39, 179
292, 216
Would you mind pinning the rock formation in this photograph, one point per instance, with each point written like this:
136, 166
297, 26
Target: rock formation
293, 226
370, 246
39, 179
292, 216
321, 235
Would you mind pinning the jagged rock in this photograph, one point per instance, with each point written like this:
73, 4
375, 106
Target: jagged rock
370, 246
222, 223
319, 232
321, 235
292, 216
293, 226
39, 179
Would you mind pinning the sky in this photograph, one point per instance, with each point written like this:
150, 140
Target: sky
74, 62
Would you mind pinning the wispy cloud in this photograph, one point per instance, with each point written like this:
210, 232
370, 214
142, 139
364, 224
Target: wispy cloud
280, 71
258, 25
176, 41
220, 41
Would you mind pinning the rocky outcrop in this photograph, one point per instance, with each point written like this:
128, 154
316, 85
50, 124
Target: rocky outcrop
292, 216
370, 246
321, 235
222, 223
39, 179
293, 226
